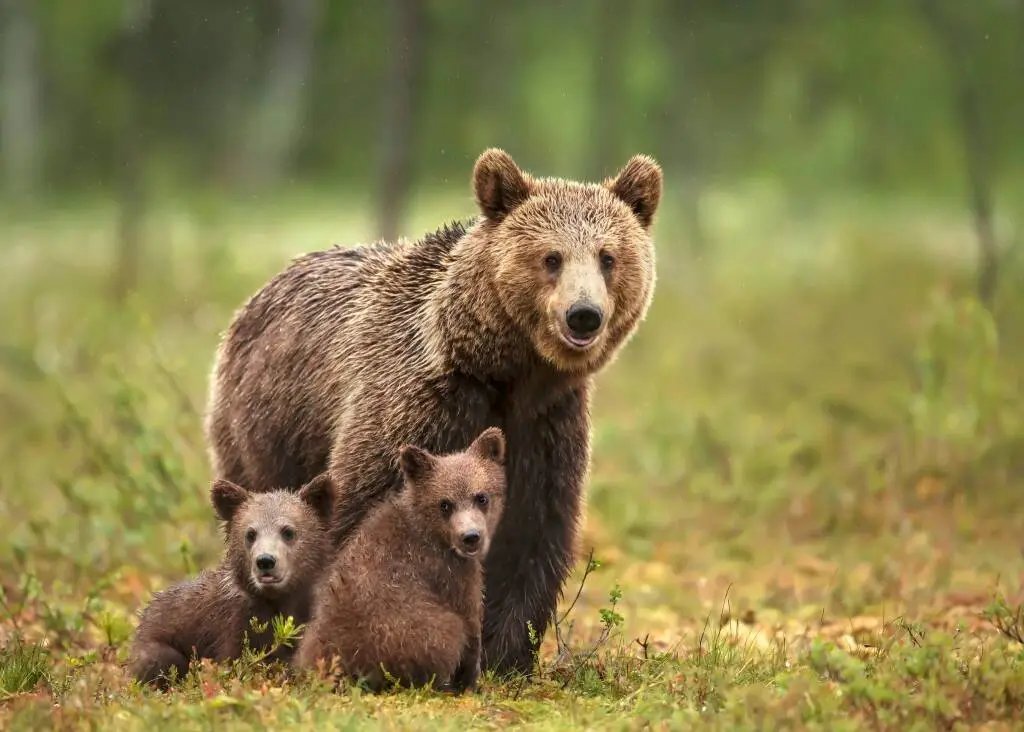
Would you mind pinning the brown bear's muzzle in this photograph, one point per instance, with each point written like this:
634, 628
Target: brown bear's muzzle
583, 320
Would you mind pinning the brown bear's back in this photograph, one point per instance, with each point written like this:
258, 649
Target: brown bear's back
288, 363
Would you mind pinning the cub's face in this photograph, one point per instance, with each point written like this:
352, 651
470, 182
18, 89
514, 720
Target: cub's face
277, 540
575, 263
457, 499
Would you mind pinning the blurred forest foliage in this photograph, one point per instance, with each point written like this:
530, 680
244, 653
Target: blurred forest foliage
147, 98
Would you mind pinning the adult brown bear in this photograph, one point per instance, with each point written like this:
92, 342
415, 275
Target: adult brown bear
349, 353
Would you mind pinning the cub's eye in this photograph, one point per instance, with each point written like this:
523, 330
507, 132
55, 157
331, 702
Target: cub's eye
288, 533
607, 261
481, 499
553, 261
250, 536
446, 508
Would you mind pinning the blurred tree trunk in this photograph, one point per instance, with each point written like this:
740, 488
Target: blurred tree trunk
967, 105
679, 137
498, 74
276, 119
606, 119
129, 58
19, 100
401, 108
498, 71
232, 109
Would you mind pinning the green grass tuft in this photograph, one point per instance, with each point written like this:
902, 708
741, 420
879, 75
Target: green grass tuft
22, 667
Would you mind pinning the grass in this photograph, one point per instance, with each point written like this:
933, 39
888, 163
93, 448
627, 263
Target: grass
803, 505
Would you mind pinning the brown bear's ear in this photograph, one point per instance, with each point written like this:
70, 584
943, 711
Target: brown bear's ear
499, 185
318, 494
639, 186
227, 498
490, 445
415, 462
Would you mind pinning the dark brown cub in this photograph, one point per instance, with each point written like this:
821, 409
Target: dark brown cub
404, 597
277, 544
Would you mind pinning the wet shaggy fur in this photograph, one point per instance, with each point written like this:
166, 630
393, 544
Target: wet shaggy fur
208, 616
349, 353
405, 595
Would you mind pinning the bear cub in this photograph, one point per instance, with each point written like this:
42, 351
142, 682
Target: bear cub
405, 595
277, 543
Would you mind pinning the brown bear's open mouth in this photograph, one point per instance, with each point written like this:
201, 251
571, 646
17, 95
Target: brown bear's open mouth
575, 342
269, 579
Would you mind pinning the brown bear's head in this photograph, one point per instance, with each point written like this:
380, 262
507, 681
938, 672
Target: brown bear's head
277, 541
574, 261
457, 499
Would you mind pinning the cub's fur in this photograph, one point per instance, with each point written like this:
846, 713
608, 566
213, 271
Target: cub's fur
404, 595
277, 546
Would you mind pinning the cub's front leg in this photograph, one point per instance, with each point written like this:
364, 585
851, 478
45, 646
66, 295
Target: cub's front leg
155, 663
468, 673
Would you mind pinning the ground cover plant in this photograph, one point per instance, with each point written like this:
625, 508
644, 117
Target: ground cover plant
803, 509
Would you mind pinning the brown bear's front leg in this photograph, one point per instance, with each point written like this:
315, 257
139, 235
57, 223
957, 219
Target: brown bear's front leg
531, 555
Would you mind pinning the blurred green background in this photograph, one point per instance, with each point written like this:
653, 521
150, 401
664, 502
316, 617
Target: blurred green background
823, 409
373, 103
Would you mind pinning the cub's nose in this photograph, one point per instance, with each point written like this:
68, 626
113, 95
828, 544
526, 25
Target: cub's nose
265, 562
471, 540
583, 319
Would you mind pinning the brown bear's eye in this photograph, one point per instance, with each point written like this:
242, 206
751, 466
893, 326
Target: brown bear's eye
481, 499
446, 508
250, 535
553, 261
288, 533
607, 261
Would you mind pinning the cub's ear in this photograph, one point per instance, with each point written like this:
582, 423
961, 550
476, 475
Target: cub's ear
318, 494
227, 498
415, 462
490, 445
499, 185
638, 185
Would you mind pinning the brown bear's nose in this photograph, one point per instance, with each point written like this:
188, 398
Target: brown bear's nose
470, 539
583, 319
265, 562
